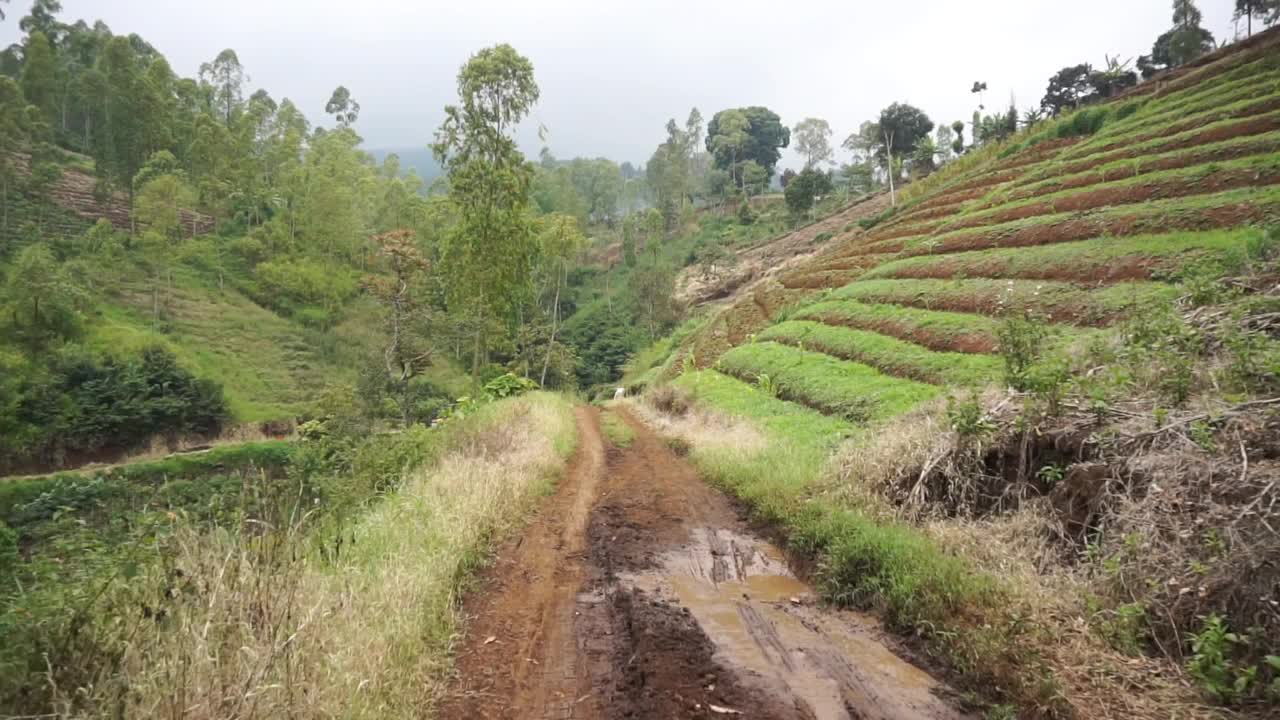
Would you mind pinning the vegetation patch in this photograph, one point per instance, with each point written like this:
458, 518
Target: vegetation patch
941, 331
887, 354
855, 392
617, 430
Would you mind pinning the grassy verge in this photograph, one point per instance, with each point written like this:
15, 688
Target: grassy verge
919, 588
308, 594
616, 430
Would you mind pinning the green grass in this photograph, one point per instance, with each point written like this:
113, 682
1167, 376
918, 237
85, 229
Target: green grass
1146, 218
1177, 178
617, 430
849, 390
932, 322
1134, 158
1063, 302
647, 364
888, 354
1171, 249
1199, 116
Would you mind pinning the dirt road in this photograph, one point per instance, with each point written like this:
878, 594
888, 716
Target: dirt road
638, 592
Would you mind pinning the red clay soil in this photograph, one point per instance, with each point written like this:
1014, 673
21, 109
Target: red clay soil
638, 592
820, 279
977, 343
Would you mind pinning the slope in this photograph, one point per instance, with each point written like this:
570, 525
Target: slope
1036, 345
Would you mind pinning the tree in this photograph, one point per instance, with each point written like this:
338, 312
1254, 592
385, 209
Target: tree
343, 107
1068, 88
225, 77
901, 127
39, 81
923, 157
813, 141
1266, 10
486, 255
766, 136
160, 202
978, 89
558, 244
807, 185
398, 291
653, 287
43, 302
754, 178
1117, 77
727, 137
957, 146
1184, 42
944, 139
787, 176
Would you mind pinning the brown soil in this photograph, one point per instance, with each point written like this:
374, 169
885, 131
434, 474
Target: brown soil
820, 279
74, 191
638, 592
972, 342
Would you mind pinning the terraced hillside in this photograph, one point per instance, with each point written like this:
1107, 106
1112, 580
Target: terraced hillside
1020, 412
1078, 226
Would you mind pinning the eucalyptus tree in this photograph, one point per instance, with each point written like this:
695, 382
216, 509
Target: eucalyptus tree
559, 243
343, 107
486, 257
813, 141
225, 79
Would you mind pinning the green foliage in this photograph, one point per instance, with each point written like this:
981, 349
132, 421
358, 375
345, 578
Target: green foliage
1022, 338
1212, 662
804, 188
750, 133
509, 385
617, 430
968, 419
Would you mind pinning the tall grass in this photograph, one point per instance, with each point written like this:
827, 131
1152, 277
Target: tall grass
293, 617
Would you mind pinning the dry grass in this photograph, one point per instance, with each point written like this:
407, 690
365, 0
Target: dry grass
673, 415
265, 624
1148, 543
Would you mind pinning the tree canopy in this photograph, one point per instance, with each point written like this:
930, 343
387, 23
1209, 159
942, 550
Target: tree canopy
765, 137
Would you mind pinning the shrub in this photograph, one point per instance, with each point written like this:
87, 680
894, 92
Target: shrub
1212, 664
669, 400
1022, 338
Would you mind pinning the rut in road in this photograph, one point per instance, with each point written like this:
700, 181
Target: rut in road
639, 592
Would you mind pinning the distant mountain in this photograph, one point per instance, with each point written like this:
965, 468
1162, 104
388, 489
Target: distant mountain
419, 160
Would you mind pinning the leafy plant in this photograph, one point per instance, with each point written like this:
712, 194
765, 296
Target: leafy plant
509, 385
1211, 663
968, 419
1021, 338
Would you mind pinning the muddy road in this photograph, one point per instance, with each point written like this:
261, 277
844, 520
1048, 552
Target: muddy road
638, 592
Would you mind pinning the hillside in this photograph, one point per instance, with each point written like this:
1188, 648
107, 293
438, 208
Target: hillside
1056, 358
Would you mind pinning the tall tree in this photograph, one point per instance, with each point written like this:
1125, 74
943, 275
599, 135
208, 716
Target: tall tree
1182, 43
343, 107
558, 244
901, 127
398, 290
728, 140
1266, 10
813, 141
39, 75
225, 78
766, 137
486, 257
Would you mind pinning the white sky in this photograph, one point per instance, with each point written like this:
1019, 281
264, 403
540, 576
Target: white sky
612, 72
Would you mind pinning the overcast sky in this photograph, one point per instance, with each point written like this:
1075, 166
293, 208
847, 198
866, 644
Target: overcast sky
612, 73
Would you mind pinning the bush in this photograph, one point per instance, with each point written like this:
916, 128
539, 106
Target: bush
669, 400
806, 186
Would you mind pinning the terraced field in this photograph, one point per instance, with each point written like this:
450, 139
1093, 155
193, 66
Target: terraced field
1080, 221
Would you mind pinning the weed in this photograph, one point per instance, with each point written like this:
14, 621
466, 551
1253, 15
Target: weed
1212, 663
1125, 628
1201, 433
968, 419
1022, 338
1051, 474
617, 430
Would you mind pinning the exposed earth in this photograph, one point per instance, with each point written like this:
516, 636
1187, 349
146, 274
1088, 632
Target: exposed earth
639, 592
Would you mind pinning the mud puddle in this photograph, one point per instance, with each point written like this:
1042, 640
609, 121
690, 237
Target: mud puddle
763, 624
